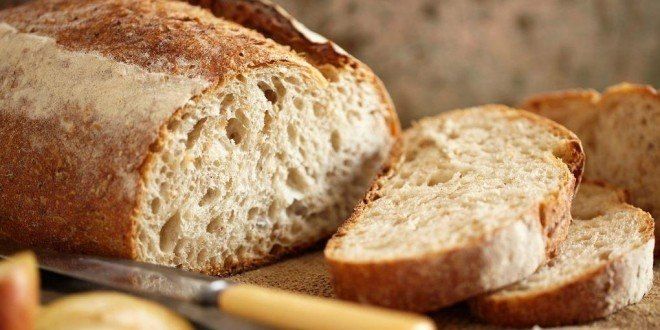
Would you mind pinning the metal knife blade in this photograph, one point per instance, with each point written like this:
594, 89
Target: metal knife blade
131, 276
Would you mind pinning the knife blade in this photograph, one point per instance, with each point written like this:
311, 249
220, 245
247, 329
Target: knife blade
266, 306
134, 276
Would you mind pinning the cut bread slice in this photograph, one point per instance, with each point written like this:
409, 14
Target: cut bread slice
605, 264
620, 134
480, 199
158, 131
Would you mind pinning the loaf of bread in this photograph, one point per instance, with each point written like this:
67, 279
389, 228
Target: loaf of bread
620, 131
159, 131
605, 264
480, 199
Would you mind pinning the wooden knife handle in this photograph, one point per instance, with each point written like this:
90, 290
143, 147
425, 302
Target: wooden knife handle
283, 309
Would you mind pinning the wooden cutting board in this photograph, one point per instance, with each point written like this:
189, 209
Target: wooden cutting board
309, 274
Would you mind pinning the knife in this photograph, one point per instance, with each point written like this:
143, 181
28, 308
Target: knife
267, 306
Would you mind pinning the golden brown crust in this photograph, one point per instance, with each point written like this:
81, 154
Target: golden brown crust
554, 99
628, 88
44, 201
161, 36
275, 23
415, 283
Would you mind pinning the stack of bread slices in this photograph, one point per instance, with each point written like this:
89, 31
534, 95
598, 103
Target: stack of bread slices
484, 207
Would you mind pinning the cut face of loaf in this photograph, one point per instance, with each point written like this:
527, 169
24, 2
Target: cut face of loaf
154, 130
479, 200
620, 133
605, 264
265, 165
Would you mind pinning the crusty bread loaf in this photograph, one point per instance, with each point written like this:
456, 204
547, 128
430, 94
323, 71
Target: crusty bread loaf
480, 199
157, 131
620, 131
605, 264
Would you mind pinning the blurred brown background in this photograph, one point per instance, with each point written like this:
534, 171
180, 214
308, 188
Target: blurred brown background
438, 55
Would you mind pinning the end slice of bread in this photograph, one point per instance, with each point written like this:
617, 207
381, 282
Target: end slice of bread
605, 264
619, 130
479, 199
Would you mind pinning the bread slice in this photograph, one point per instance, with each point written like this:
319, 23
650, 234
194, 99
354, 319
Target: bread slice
605, 264
619, 130
479, 201
156, 131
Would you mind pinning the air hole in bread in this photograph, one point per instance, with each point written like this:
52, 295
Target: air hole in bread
273, 210
293, 132
329, 72
440, 177
169, 234
198, 163
296, 180
202, 255
195, 132
293, 80
164, 187
235, 130
565, 151
298, 103
173, 124
411, 155
279, 87
302, 152
318, 109
419, 180
269, 93
252, 213
155, 205
268, 121
296, 209
605, 255
227, 100
335, 139
215, 225
210, 195
426, 143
